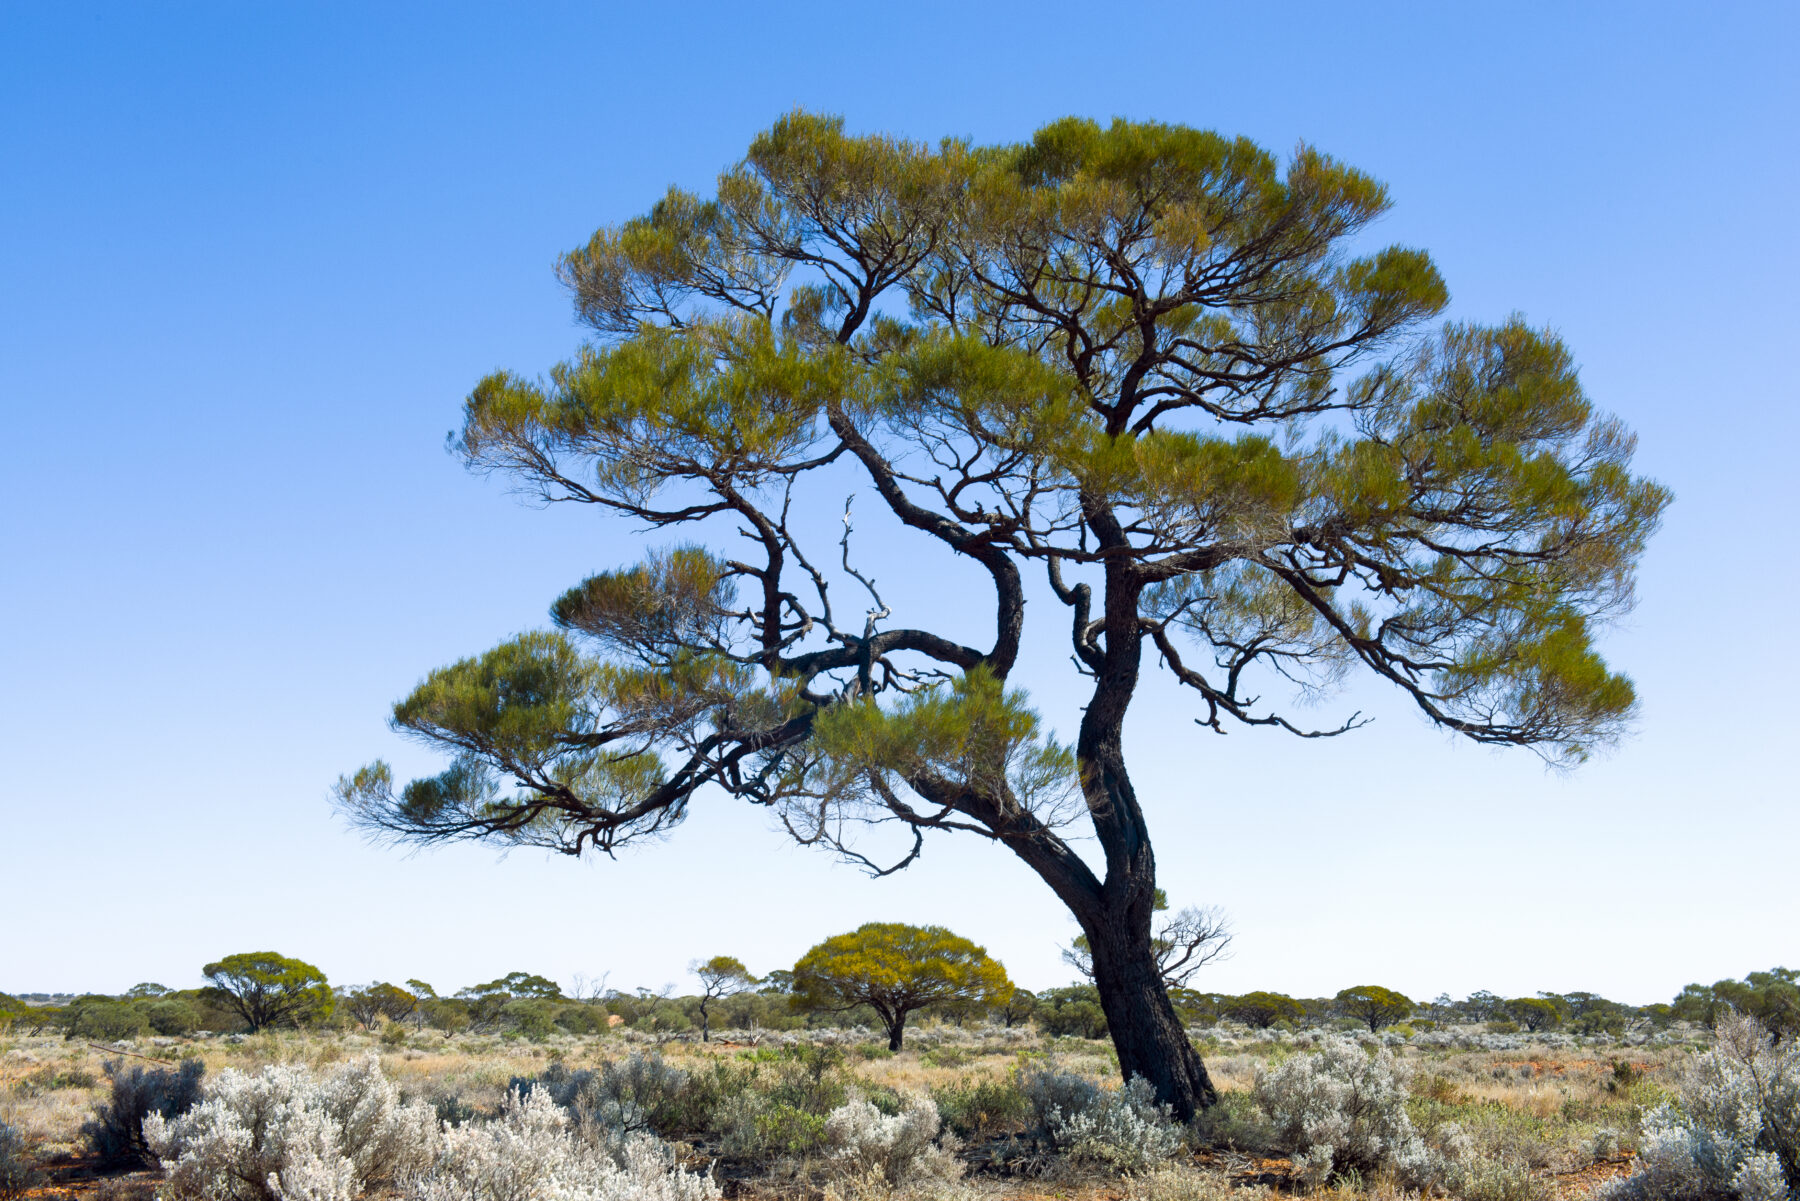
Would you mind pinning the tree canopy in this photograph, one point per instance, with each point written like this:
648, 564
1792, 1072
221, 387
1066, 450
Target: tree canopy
267, 989
1375, 1005
1150, 371
720, 976
896, 969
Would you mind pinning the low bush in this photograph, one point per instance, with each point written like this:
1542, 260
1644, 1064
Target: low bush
17, 1172
285, 1133
865, 1144
1124, 1128
528, 1154
1340, 1110
116, 1131
980, 1108
1733, 1135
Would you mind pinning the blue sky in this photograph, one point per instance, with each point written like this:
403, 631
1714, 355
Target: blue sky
252, 257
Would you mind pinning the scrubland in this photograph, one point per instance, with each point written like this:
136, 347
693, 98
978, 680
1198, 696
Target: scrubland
965, 1112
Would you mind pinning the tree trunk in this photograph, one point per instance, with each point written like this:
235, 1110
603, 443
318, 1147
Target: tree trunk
896, 1032
1147, 1034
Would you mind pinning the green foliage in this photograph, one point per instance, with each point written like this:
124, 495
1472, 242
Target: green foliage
266, 989
1072, 1012
1260, 1010
981, 1107
105, 1019
1100, 352
896, 969
1771, 997
1535, 1013
1374, 1005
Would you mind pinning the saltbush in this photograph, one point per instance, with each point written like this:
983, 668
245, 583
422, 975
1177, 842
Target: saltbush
116, 1131
284, 1134
1124, 1128
1340, 1110
1734, 1134
865, 1144
527, 1154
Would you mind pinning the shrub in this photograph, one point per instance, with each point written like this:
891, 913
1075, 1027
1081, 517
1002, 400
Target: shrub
107, 1020
1051, 1090
17, 1172
1124, 1128
116, 1131
865, 1144
1735, 1133
1339, 1110
527, 1154
982, 1107
284, 1133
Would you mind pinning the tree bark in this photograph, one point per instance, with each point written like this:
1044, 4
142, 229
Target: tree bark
896, 1032
1145, 1030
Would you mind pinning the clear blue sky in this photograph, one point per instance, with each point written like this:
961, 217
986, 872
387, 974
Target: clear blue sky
252, 256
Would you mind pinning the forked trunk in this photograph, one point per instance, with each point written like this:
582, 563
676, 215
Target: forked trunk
1147, 1034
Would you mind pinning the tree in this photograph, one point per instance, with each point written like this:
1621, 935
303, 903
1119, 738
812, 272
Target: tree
1017, 1008
896, 969
267, 989
720, 976
1260, 1010
1182, 944
378, 1001
1139, 363
1375, 1005
487, 1002
1535, 1013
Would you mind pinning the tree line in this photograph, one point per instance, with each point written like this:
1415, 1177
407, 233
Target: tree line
881, 975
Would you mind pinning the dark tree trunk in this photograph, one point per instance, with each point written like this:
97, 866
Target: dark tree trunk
896, 1032
1147, 1034
1145, 1031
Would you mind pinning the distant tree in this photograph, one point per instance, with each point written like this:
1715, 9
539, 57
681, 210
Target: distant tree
778, 983
1771, 997
1260, 1010
720, 976
486, 1003
896, 969
1374, 1005
1073, 1011
147, 991
1535, 1013
267, 989
1481, 1006
376, 1002
1017, 1008
1183, 943
1151, 366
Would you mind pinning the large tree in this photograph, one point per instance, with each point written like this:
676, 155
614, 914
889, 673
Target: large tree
1147, 367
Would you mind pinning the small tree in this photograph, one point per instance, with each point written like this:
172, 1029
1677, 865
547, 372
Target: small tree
266, 989
895, 969
1260, 1010
720, 976
1375, 1005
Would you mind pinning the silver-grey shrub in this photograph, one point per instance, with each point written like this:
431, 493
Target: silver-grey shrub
1124, 1127
1734, 1134
1340, 1109
864, 1144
